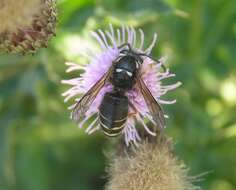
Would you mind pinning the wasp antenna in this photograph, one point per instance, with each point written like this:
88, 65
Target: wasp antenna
157, 61
125, 44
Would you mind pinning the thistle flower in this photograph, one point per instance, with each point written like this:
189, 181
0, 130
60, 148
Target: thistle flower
151, 166
100, 62
26, 25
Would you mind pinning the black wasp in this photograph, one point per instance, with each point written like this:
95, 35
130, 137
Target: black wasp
113, 111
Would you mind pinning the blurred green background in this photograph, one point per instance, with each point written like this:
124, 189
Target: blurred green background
42, 149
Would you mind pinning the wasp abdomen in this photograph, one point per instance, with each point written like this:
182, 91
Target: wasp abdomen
113, 113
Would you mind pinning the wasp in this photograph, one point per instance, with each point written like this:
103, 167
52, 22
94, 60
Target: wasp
124, 73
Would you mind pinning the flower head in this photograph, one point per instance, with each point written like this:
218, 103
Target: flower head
151, 73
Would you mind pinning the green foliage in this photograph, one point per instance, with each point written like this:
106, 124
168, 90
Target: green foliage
41, 148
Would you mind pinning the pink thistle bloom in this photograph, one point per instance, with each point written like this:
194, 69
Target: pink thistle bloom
151, 73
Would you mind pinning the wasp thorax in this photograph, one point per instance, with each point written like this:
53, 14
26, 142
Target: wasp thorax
125, 72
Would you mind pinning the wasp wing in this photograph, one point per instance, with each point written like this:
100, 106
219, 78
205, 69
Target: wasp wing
85, 102
153, 106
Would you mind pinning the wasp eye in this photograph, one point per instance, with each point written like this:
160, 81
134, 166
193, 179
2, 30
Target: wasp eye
129, 73
119, 70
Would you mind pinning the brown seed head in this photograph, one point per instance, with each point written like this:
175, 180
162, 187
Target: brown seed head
27, 24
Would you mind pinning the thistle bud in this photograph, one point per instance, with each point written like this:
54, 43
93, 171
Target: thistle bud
26, 25
150, 166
